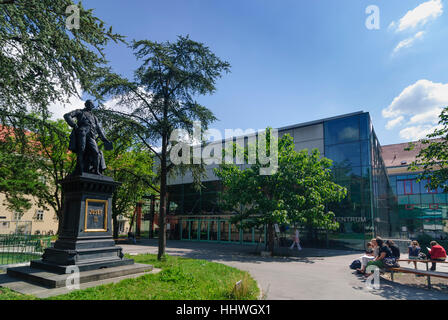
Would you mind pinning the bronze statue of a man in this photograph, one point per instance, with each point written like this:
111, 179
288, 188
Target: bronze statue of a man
83, 140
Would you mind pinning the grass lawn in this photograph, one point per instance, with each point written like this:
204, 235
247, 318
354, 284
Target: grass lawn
7, 294
17, 257
180, 279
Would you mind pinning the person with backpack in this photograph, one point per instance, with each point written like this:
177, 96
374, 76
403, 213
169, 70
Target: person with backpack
384, 253
361, 264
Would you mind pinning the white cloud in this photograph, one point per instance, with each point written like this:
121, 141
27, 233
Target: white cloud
406, 43
394, 122
414, 133
59, 108
419, 16
417, 108
432, 116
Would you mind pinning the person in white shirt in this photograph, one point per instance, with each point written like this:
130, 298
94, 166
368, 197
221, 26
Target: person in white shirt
369, 255
296, 241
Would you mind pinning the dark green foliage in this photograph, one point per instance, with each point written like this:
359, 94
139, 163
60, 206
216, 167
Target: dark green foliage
161, 98
41, 60
34, 158
297, 194
132, 165
432, 159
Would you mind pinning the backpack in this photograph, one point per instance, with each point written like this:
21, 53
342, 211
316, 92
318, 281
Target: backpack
356, 264
391, 263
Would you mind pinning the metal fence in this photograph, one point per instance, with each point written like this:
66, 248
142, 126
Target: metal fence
16, 248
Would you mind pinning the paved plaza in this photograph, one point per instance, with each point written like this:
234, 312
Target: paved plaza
310, 274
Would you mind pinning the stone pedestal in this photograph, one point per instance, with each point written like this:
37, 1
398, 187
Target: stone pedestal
86, 240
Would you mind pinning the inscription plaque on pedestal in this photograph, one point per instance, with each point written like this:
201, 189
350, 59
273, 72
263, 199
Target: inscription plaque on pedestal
95, 219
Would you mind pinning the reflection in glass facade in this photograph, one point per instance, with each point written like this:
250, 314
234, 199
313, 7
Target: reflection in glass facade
351, 143
357, 165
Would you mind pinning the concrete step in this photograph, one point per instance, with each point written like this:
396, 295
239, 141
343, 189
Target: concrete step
55, 280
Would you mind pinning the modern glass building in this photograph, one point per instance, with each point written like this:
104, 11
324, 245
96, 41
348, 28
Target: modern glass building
350, 141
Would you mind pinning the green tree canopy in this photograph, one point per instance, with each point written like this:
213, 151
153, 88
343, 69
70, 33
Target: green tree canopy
131, 164
432, 159
41, 60
296, 194
41, 160
161, 99
18, 175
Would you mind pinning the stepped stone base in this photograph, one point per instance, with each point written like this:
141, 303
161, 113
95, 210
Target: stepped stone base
57, 280
88, 265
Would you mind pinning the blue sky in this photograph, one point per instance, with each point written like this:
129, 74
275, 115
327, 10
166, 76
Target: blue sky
301, 60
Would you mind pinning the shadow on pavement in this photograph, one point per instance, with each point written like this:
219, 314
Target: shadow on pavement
396, 291
234, 252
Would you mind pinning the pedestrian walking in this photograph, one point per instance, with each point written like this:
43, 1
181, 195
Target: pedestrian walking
296, 240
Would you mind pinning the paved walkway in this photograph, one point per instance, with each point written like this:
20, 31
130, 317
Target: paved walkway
310, 274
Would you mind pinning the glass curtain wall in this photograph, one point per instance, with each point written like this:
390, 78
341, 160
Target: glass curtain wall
419, 209
357, 165
201, 218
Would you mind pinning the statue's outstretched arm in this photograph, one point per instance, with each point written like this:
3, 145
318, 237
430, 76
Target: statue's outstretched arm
68, 117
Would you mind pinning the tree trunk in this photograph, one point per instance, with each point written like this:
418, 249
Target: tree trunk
271, 238
151, 216
132, 221
115, 226
60, 215
162, 209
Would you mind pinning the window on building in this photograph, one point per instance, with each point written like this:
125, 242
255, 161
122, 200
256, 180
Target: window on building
4, 225
426, 188
408, 187
342, 130
39, 215
400, 187
17, 216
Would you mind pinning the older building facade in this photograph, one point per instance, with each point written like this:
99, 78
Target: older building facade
36, 220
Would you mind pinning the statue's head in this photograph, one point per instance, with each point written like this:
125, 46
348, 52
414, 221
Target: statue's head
89, 105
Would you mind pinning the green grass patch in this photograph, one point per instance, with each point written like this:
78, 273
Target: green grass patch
8, 294
16, 257
180, 279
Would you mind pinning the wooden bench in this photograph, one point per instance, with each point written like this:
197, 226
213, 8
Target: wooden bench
426, 273
422, 261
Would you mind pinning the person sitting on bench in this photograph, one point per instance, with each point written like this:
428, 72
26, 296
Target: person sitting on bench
414, 251
384, 252
368, 256
395, 250
436, 253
